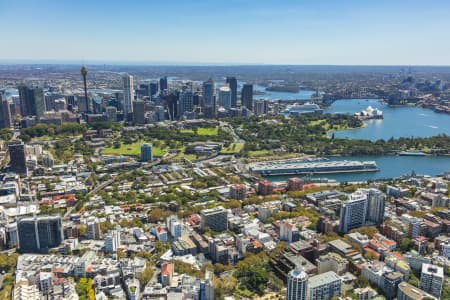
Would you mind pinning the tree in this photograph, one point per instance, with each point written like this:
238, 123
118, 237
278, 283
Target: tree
361, 281
406, 244
146, 275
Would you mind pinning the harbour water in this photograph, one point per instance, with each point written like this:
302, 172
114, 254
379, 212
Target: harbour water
390, 167
271, 95
397, 122
404, 121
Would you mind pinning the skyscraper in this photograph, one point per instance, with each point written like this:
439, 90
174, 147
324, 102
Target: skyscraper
128, 95
163, 84
186, 102
209, 91
5, 113
17, 157
353, 212
375, 207
297, 285
32, 101
232, 83
39, 234
247, 96
138, 112
146, 152
225, 97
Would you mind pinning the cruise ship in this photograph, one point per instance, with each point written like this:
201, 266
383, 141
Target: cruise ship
321, 167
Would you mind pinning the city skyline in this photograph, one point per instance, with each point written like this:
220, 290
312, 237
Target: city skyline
231, 32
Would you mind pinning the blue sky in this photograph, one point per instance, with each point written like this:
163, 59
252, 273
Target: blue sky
363, 32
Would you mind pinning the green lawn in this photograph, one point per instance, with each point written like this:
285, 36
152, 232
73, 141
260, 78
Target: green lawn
203, 131
258, 153
132, 149
233, 148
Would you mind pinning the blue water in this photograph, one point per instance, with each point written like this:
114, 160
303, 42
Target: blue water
404, 121
270, 95
390, 167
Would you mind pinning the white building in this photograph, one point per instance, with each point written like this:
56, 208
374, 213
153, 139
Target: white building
112, 241
297, 285
431, 279
128, 94
324, 286
353, 212
175, 227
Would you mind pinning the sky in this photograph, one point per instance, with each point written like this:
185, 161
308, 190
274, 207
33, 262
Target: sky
311, 32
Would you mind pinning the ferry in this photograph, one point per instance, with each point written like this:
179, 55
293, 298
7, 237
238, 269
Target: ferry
411, 153
322, 167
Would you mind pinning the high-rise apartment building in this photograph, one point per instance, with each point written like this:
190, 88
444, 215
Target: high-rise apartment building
215, 219
175, 227
112, 241
40, 233
247, 96
5, 113
32, 101
17, 157
146, 152
432, 279
353, 212
128, 95
232, 83
375, 206
297, 285
324, 286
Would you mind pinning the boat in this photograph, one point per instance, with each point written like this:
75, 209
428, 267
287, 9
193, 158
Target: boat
411, 153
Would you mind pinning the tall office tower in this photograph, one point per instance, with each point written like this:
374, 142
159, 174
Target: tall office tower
84, 72
171, 103
153, 89
138, 112
375, 206
17, 157
353, 212
431, 279
31, 101
39, 233
128, 95
215, 219
247, 96
225, 97
209, 91
5, 113
146, 152
163, 84
186, 102
297, 285
324, 286
232, 83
